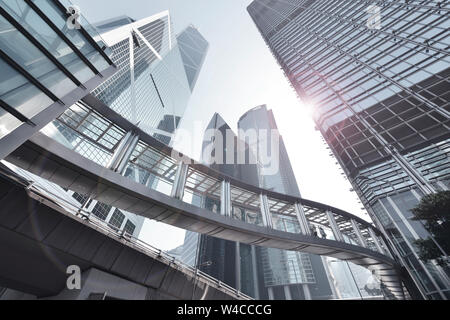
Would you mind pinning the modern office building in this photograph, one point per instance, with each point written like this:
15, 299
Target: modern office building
45, 67
156, 74
377, 77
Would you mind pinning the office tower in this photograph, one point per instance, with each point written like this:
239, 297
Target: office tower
377, 77
156, 74
193, 48
45, 67
287, 275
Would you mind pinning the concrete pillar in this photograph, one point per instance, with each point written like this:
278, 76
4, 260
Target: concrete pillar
287, 292
238, 266
270, 293
255, 273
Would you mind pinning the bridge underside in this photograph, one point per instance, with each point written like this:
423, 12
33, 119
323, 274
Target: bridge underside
50, 160
39, 240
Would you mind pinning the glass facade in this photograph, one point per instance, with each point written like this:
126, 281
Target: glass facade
380, 99
42, 63
151, 88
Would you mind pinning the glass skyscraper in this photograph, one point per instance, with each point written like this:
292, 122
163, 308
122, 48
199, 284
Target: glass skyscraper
157, 71
377, 77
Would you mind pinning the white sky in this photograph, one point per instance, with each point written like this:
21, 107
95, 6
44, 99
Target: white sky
239, 73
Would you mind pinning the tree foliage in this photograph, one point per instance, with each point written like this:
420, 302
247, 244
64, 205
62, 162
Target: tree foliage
434, 211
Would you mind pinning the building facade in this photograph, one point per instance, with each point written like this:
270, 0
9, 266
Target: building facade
377, 78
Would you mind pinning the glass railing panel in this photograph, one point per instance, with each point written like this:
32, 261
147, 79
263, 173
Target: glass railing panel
284, 216
245, 206
318, 220
151, 168
202, 191
86, 132
346, 229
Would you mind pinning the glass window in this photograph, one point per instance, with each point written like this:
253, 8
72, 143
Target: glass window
30, 58
20, 94
39, 29
58, 18
129, 227
117, 219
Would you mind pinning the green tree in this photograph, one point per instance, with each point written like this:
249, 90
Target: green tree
434, 211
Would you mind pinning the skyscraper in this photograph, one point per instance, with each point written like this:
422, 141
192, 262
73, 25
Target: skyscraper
377, 78
157, 71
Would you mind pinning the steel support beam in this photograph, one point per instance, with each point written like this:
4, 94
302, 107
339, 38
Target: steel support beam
358, 233
301, 217
180, 181
265, 211
123, 153
375, 240
334, 227
225, 199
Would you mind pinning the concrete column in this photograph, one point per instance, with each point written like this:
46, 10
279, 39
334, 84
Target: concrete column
225, 199
334, 226
265, 212
303, 222
358, 233
238, 266
179, 181
255, 273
